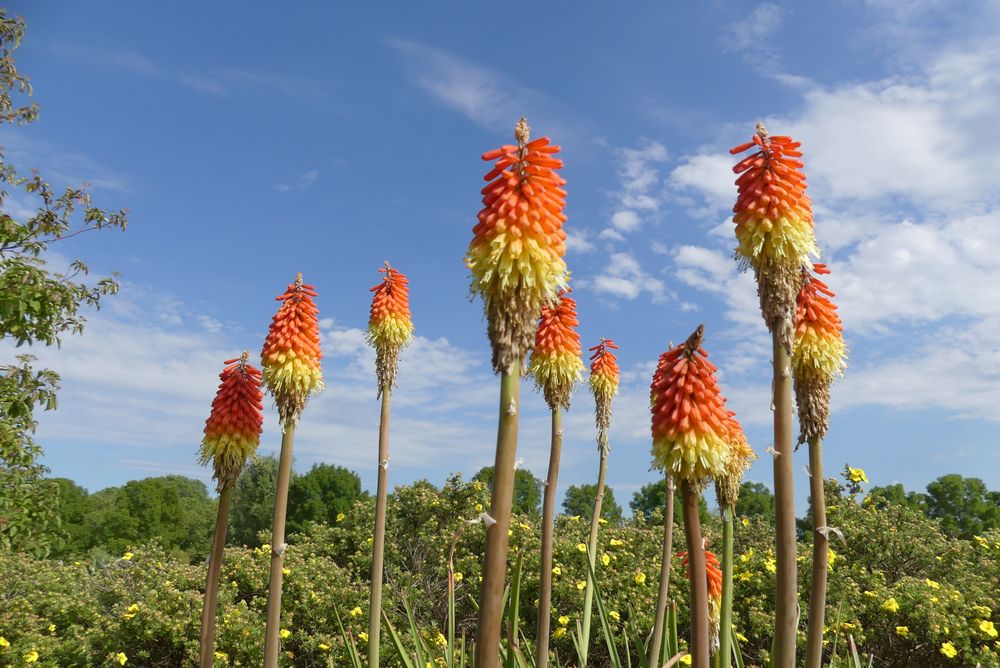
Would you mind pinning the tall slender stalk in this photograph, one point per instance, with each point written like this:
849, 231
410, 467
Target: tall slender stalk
595, 523
212, 581
726, 616
817, 598
495, 566
786, 588
696, 577
378, 543
272, 640
548, 513
668, 549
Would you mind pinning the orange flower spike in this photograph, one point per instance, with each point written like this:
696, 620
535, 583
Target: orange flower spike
517, 249
713, 572
291, 354
819, 354
232, 430
389, 326
773, 215
604, 378
692, 429
556, 363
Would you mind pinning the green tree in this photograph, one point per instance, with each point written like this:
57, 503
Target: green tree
894, 494
755, 500
74, 508
321, 495
651, 498
37, 305
579, 500
527, 489
964, 505
253, 501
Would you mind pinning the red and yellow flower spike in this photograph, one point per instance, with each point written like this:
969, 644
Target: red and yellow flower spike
819, 354
604, 378
232, 430
291, 354
517, 249
389, 326
556, 363
692, 430
713, 573
774, 224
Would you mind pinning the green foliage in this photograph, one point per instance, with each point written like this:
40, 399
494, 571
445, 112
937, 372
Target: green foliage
320, 495
650, 501
253, 501
579, 501
37, 305
755, 500
964, 505
527, 489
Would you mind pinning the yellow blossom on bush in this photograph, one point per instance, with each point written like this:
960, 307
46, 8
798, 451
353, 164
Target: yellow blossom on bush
616, 543
890, 605
605, 559
745, 521
870, 594
52, 628
284, 633
982, 611
582, 547
741, 637
340, 517
458, 577
982, 541
771, 565
574, 518
556, 571
903, 631
831, 556
121, 658
563, 620
930, 583
356, 612
31, 657
745, 576
4, 642
131, 611
949, 650
615, 616
686, 660
286, 571
581, 585
987, 627
128, 556
440, 640
479, 507
640, 578
858, 475
559, 632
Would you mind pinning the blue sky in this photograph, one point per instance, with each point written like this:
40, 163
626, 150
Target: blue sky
326, 138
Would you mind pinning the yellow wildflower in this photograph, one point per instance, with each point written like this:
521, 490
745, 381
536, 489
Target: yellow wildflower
745, 576
982, 541
616, 543
870, 594
286, 571
52, 628
745, 521
771, 565
686, 660
559, 632
831, 556
858, 475
4, 642
574, 518
121, 658
601, 520
479, 507
440, 640
949, 650
605, 559
741, 637
930, 583
615, 616
362, 635
640, 578
131, 611
903, 631
356, 612
340, 517
31, 657
581, 547
458, 576
284, 633
891, 605
128, 556
556, 571
982, 611
581, 585
987, 627
563, 620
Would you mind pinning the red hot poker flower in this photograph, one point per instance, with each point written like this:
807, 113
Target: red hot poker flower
232, 431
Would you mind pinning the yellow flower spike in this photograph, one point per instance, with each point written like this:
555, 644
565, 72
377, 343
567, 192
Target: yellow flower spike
555, 361
517, 249
774, 224
291, 354
390, 328
819, 354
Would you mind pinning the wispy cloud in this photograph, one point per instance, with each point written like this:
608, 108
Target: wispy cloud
303, 181
623, 278
752, 34
117, 59
638, 196
61, 167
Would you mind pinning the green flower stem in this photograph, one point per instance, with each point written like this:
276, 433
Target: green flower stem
548, 513
378, 543
726, 617
272, 640
697, 577
495, 566
786, 588
595, 523
207, 659
817, 598
661, 598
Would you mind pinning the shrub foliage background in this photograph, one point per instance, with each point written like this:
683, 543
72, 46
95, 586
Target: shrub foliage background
901, 585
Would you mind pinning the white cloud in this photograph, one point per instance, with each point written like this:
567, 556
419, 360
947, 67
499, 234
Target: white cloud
626, 220
638, 197
751, 35
624, 278
118, 59
303, 181
578, 241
